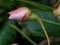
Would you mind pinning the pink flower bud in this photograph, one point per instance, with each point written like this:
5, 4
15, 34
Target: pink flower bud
57, 11
20, 14
14, 44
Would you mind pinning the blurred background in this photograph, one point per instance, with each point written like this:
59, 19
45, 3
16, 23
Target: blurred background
43, 9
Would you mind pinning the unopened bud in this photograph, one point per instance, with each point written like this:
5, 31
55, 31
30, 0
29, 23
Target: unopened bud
20, 14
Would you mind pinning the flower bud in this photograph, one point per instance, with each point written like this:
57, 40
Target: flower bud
14, 44
57, 11
20, 14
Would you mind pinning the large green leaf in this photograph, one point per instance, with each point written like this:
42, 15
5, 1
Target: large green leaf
38, 5
9, 5
7, 33
45, 2
35, 28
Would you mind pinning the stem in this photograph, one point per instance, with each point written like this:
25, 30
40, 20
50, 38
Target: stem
33, 17
51, 22
57, 3
40, 21
30, 40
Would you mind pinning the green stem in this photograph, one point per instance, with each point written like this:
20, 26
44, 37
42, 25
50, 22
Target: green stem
30, 40
51, 22
44, 29
33, 17
57, 3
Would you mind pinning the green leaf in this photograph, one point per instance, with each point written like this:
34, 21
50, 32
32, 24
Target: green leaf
8, 4
45, 2
38, 5
7, 35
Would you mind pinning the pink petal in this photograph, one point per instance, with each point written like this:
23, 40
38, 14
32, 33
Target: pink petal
19, 14
17, 10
